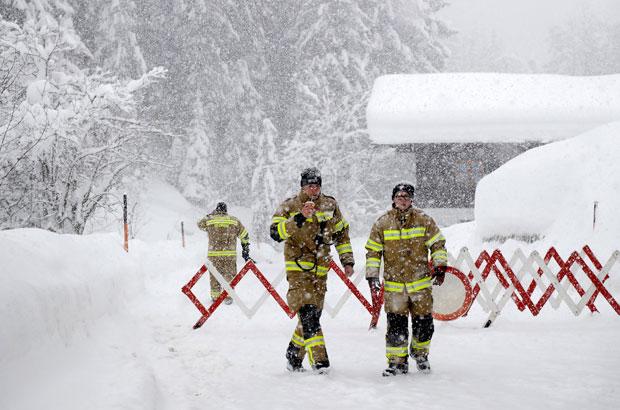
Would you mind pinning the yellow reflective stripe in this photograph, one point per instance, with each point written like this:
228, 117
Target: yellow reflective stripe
244, 237
391, 235
344, 248
303, 264
408, 233
415, 345
324, 216
315, 341
439, 256
373, 262
401, 351
282, 230
322, 270
222, 253
339, 226
312, 342
292, 266
438, 237
412, 232
393, 286
277, 219
342, 224
298, 340
374, 246
221, 221
418, 284
215, 294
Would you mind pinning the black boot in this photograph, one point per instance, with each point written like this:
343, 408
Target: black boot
293, 361
321, 367
421, 362
395, 369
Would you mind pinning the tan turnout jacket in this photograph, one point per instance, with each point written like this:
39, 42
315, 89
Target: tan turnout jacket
405, 240
223, 230
301, 252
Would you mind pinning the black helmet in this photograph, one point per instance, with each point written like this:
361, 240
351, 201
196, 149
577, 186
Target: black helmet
310, 176
221, 207
404, 187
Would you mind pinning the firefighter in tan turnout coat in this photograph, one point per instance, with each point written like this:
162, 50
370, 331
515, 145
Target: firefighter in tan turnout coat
309, 223
223, 230
405, 237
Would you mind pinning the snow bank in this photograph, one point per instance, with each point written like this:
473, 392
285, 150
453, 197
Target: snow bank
552, 190
487, 107
54, 287
74, 330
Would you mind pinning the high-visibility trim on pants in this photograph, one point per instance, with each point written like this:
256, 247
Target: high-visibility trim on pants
298, 340
420, 347
396, 351
313, 342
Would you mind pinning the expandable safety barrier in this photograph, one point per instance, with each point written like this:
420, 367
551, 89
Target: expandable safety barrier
560, 274
477, 285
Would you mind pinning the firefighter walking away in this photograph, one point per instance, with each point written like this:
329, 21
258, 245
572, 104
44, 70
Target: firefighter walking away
223, 230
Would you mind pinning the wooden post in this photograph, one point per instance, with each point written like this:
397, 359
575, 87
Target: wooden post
125, 226
182, 235
594, 215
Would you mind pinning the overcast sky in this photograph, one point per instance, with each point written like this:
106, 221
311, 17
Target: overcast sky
522, 25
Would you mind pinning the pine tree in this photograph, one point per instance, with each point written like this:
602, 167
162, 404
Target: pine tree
263, 183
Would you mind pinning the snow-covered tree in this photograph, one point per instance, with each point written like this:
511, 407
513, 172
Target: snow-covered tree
482, 51
584, 45
263, 182
72, 132
197, 159
108, 28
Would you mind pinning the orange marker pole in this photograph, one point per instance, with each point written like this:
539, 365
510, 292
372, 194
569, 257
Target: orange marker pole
125, 226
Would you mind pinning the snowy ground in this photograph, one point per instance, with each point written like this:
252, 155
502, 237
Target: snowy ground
86, 326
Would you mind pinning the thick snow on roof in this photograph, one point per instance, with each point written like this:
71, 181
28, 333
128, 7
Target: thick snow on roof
551, 191
487, 107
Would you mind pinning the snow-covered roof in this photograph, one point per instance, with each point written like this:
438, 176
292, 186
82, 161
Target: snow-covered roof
489, 107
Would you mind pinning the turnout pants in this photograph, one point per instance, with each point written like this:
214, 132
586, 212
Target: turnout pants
306, 295
227, 267
398, 307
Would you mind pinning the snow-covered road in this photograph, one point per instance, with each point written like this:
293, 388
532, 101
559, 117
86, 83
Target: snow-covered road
130, 344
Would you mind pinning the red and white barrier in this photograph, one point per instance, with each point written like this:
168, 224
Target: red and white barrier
492, 292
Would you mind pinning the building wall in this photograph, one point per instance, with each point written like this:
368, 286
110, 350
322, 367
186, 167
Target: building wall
447, 174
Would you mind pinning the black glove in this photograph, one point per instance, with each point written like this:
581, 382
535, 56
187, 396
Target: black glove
273, 232
299, 219
374, 284
245, 252
439, 274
